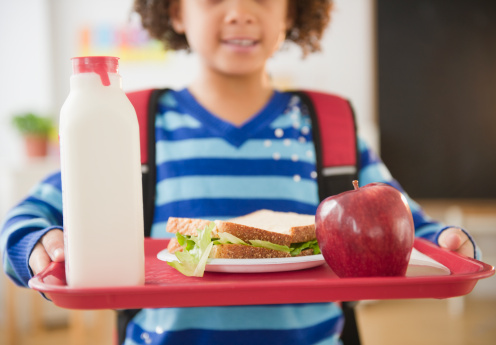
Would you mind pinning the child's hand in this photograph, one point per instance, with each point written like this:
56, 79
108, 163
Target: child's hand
49, 248
457, 241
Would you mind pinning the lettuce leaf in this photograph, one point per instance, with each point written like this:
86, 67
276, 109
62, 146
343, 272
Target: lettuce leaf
297, 248
270, 245
196, 250
294, 250
226, 238
185, 241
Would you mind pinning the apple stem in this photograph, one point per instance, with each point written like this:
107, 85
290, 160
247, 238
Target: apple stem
355, 184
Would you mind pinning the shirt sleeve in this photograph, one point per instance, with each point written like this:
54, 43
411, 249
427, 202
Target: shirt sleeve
26, 223
372, 169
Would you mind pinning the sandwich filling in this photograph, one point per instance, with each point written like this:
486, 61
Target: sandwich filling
195, 250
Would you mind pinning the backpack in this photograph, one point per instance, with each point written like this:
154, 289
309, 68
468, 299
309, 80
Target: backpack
334, 137
337, 157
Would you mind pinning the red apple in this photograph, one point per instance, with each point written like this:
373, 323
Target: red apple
366, 232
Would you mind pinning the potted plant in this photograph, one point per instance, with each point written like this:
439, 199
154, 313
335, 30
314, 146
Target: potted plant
36, 130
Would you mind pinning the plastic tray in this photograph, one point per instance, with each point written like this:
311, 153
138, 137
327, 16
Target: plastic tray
166, 287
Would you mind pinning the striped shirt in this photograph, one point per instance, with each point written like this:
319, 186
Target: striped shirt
208, 168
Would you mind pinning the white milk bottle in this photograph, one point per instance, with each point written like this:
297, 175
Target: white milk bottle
101, 179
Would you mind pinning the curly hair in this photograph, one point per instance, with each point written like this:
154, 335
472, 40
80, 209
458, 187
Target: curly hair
310, 18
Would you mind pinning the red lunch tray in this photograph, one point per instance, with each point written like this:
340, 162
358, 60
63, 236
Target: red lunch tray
166, 287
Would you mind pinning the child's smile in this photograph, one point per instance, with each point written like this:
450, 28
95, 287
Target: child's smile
240, 42
233, 37
240, 45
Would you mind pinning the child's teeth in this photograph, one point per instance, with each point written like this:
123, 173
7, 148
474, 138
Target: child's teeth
241, 42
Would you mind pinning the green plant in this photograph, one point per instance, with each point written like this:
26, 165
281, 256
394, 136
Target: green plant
32, 124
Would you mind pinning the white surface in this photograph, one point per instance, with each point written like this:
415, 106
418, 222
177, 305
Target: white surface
25, 68
254, 265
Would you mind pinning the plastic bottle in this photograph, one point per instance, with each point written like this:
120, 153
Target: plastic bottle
101, 179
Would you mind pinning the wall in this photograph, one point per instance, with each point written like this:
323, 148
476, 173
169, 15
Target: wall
25, 67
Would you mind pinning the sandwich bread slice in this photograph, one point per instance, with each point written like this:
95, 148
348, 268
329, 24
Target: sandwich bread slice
261, 234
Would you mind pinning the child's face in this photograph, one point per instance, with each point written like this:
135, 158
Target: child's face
234, 37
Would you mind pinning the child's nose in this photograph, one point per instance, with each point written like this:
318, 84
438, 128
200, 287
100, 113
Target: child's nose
239, 12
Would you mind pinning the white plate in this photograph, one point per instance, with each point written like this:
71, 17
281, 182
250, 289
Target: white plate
254, 265
419, 265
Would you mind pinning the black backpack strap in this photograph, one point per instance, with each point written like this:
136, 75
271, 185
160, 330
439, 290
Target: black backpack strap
123, 318
350, 334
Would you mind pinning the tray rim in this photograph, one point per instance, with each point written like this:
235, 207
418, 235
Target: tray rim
107, 298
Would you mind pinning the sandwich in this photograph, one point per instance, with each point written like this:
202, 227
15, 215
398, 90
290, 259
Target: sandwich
258, 235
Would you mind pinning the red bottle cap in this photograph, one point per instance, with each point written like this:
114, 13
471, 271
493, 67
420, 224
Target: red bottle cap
101, 65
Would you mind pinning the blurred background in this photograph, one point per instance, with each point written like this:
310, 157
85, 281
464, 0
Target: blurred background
420, 74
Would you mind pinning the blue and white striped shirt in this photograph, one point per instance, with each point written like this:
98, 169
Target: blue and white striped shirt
208, 168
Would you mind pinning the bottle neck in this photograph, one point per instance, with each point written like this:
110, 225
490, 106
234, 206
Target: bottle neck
93, 81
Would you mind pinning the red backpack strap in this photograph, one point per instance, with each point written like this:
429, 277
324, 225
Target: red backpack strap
335, 139
145, 103
337, 129
140, 101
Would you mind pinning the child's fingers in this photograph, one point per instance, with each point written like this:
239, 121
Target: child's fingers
450, 239
39, 259
53, 241
456, 240
467, 249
